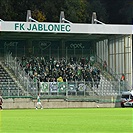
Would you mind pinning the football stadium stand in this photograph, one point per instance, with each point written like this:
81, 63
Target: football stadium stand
64, 59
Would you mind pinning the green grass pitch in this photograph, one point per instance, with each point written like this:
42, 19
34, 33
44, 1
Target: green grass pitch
88, 120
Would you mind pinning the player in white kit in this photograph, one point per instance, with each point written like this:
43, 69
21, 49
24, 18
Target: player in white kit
39, 102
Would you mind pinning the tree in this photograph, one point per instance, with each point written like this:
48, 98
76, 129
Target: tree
100, 9
127, 12
6, 10
20, 8
76, 11
38, 15
51, 9
119, 11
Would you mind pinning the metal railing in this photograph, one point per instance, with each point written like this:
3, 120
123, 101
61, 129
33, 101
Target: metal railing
109, 74
22, 77
68, 89
83, 88
75, 88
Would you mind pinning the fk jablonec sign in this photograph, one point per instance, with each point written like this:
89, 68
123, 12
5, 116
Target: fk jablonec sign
43, 27
9, 26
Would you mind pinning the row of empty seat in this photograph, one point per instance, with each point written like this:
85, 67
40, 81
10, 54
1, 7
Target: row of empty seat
12, 92
107, 87
8, 87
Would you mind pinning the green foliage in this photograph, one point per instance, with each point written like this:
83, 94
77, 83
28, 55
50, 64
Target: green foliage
52, 10
6, 9
100, 9
119, 11
38, 15
127, 11
77, 11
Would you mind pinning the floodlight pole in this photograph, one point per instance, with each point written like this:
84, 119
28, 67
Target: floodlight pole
94, 16
62, 16
28, 15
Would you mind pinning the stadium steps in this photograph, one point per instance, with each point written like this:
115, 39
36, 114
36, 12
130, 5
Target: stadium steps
105, 88
9, 85
108, 84
107, 75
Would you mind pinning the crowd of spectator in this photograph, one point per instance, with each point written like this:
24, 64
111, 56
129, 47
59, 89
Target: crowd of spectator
47, 69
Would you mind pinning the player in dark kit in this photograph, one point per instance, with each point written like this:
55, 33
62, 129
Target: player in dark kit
1, 101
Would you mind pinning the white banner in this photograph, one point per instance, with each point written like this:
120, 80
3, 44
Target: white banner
65, 28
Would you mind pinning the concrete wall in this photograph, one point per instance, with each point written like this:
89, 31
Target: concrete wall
52, 103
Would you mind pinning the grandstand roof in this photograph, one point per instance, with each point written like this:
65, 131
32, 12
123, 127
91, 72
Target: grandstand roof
49, 36
65, 28
60, 31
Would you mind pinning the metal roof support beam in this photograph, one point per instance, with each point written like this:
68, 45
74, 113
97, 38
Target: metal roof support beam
1, 20
62, 18
94, 19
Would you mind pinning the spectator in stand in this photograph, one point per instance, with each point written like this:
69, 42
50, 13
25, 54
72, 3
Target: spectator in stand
105, 65
122, 79
60, 79
47, 69
1, 102
95, 81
